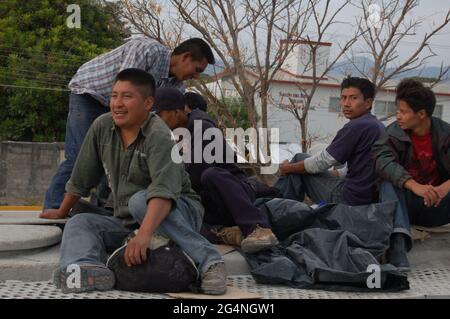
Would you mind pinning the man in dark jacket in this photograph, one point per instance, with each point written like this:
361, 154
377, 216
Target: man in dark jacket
413, 157
224, 188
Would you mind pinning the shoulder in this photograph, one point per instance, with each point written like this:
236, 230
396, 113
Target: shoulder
441, 125
146, 44
365, 124
157, 132
104, 121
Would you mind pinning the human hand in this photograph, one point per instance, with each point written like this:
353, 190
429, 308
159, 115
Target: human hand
52, 214
442, 191
285, 168
428, 193
136, 251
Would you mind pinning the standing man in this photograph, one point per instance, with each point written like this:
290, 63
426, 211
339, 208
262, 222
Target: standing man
132, 147
91, 90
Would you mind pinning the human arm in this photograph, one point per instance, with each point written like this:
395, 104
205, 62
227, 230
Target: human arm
427, 192
86, 174
386, 162
442, 190
318, 163
157, 211
69, 201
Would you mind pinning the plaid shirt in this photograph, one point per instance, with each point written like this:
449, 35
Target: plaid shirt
96, 76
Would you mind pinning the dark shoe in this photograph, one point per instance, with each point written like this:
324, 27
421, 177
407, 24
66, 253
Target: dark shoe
214, 280
261, 238
91, 278
229, 236
398, 252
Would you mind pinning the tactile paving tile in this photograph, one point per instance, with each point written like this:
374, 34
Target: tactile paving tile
431, 282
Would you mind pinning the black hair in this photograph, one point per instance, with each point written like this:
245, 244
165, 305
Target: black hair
366, 87
198, 49
416, 95
195, 101
139, 78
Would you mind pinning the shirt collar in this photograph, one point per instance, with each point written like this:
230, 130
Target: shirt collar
143, 127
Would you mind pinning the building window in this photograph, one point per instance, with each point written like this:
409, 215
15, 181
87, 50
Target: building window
335, 105
384, 108
438, 111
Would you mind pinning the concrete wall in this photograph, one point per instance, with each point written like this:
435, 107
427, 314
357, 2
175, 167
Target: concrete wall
26, 170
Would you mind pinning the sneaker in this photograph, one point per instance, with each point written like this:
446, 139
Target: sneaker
261, 238
229, 235
56, 278
91, 278
214, 280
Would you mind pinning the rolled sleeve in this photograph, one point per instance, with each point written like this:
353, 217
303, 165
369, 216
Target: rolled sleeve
319, 163
88, 168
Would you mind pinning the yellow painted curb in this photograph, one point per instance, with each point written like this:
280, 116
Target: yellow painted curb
22, 208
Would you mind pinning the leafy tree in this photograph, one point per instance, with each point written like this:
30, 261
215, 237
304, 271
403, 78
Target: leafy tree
39, 54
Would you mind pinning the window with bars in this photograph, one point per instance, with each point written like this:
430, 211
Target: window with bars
384, 108
335, 105
438, 111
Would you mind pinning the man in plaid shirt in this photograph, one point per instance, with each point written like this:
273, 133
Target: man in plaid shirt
91, 90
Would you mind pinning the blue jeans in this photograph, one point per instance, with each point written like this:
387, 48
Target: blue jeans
401, 220
88, 238
83, 110
322, 187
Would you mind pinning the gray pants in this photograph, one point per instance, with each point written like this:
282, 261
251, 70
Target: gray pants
89, 238
322, 187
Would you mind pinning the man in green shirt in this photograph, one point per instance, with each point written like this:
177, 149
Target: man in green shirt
132, 147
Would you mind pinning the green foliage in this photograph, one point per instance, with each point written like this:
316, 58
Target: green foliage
238, 110
38, 51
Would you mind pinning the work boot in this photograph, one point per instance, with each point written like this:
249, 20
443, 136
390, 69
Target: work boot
229, 235
398, 252
261, 238
91, 277
214, 280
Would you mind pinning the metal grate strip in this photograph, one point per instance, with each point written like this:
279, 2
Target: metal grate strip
424, 283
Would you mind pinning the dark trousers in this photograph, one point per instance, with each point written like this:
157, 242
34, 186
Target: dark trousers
322, 187
228, 201
421, 215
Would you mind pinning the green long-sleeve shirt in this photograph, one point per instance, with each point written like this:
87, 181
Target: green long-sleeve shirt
145, 165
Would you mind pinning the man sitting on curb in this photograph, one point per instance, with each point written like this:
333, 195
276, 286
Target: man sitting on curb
413, 157
352, 145
132, 147
227, 196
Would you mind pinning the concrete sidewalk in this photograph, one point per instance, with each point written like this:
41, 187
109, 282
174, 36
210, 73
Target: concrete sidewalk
26, 273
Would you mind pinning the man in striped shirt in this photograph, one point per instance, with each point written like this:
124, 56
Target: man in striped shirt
91, 90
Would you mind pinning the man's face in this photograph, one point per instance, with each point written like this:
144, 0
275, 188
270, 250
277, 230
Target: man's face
406, 118
128, 106
187, 68
174, 118
353, 103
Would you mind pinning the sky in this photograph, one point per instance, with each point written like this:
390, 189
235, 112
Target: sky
433, 12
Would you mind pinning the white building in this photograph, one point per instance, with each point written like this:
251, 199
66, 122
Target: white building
324, 117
